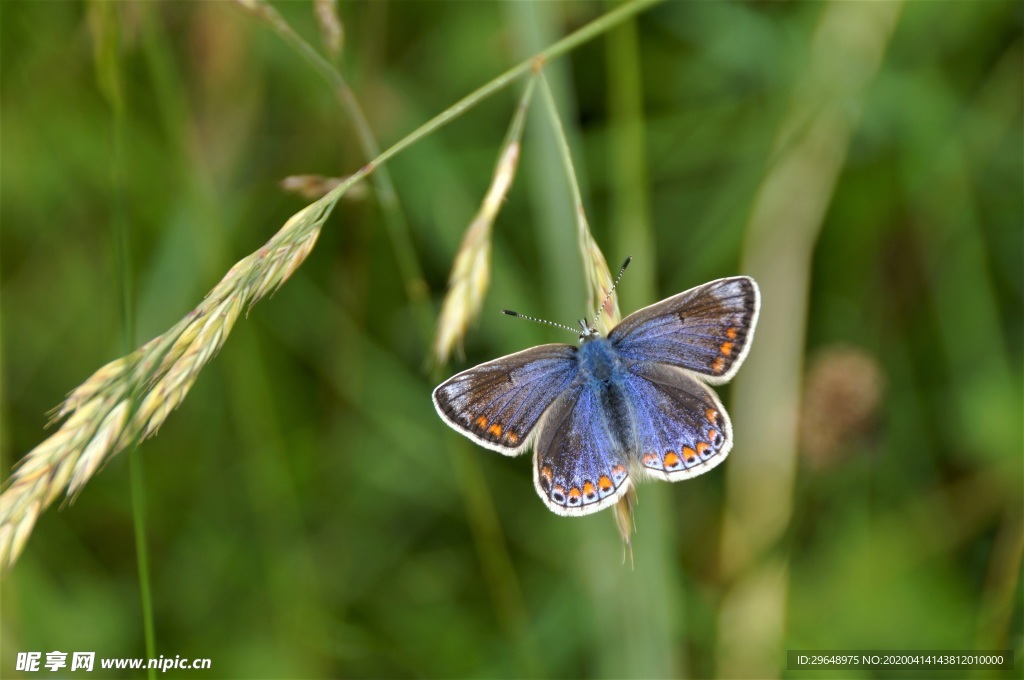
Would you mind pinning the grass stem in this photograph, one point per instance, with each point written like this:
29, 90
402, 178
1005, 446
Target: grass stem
595, 267
394, 219
105, 25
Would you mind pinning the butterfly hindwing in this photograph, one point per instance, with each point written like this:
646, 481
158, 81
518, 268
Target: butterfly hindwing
681, 429
498, 404
707, 329
579, 464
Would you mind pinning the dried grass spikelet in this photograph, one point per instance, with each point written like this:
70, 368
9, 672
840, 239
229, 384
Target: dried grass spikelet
599, 279
595, 267
128, 400
467, 286
331, 29
843, 391
471, 271
626, 522
315, 187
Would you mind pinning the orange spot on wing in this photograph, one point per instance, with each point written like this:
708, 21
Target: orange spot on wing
672, 459
688, 453
712, 434
588, 489
650, 458
512, 437
605, 483
481, 422
701, 448
726, 348
718, 364
574, 493
712, 415
731, 333
495, 430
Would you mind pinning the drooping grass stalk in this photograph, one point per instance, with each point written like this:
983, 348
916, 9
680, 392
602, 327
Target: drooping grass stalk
650, 644
595, 271
394, 220
595, 267
127, 400
566, 44
471, 271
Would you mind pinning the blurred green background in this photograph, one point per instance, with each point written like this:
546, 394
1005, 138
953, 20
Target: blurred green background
308, 514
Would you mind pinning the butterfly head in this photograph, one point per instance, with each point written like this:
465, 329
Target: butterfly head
589, 331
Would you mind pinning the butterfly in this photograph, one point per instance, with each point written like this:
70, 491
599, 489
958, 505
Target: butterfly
614, 410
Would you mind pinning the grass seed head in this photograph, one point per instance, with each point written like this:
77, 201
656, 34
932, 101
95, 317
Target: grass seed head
128, 399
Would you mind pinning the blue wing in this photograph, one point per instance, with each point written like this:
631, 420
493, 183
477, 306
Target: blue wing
680, 429
498, 404
707, 329
580, 465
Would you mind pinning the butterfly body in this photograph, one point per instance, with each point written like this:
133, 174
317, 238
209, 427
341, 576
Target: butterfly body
606, 373
614, 409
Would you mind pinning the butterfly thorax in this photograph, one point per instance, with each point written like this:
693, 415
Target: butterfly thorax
599, 360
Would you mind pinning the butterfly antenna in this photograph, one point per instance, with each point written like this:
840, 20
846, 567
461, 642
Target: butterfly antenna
544, 321
608, 297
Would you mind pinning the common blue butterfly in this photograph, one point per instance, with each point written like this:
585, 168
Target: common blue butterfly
615, 409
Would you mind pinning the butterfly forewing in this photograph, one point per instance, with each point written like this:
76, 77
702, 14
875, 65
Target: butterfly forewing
707, 329
498, 404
